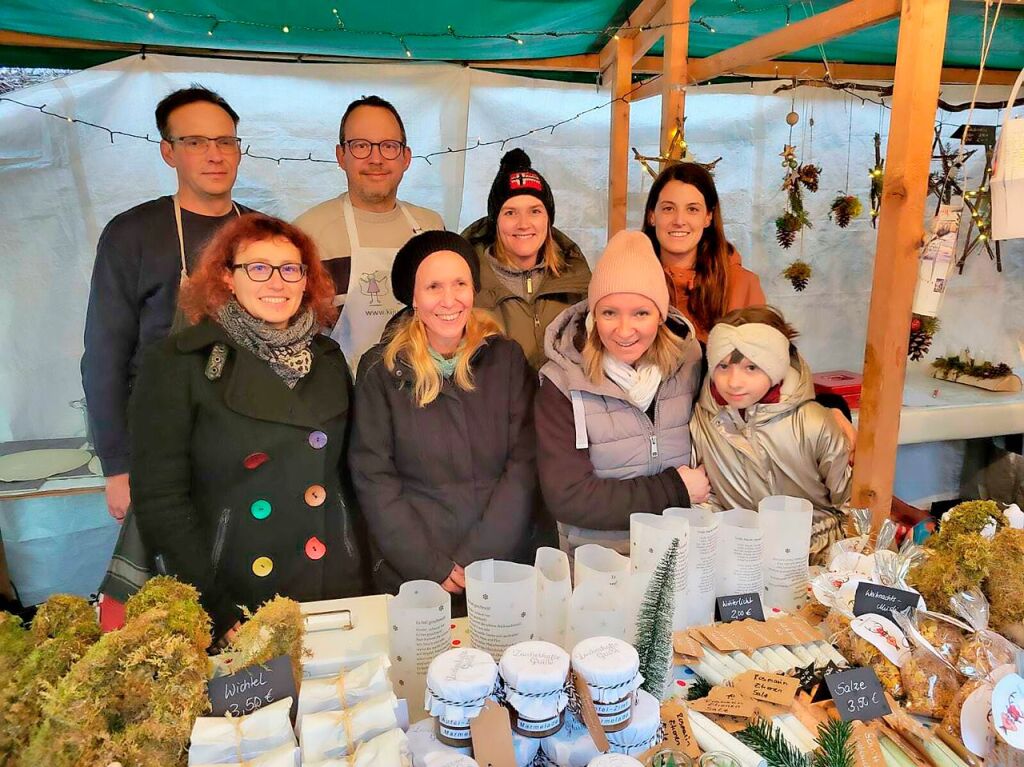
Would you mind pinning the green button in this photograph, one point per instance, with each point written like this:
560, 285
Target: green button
260, 509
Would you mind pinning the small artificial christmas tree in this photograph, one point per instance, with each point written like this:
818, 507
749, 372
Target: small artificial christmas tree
654, 624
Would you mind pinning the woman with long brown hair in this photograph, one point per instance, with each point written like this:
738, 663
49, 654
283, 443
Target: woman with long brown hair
238, 430
683, 219
443, 453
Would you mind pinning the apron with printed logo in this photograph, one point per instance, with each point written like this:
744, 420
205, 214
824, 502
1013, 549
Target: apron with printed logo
370, 302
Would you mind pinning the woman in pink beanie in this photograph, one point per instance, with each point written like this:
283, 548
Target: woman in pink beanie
612, 413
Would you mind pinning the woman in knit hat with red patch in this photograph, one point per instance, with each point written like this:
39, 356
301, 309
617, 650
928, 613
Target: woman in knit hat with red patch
529, 271
613, 408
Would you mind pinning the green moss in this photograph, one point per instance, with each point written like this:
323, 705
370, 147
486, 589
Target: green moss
180, 601
957, 565
1005, 587
15, 644
963, 519
276, 629
61, 612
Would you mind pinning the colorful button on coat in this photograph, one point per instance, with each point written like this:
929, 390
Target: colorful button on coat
260, 509
262, 566
255, 460
315, 495
317, 440
315, 549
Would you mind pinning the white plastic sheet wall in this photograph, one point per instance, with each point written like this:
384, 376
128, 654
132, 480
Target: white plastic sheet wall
60, 183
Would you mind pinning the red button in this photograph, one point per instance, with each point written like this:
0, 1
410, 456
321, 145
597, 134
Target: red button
315, 549
255, 460
315, 495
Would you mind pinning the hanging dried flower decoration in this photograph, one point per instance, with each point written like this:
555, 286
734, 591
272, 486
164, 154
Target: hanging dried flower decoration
799, 273
798, 176
845, 208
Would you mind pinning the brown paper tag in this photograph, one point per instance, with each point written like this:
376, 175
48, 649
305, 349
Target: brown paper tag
678, 733
749, 634
492, 736
684, 644
771, 688
767, 711
589, 713
867, 751
724, 700
730, 724
721, 637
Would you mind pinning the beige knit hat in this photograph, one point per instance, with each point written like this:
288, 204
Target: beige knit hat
629, 265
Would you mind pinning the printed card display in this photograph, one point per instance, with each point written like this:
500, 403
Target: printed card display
741, 553
883, 600
786, 524
501, 598
253, 688
738, 607
858, 695
650, 536
702, 560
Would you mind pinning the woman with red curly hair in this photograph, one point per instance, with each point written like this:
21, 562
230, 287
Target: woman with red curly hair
239, 430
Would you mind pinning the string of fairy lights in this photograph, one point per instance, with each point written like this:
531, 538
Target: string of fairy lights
335, 24
113, 133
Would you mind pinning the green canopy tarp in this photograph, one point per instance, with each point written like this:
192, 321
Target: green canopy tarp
456, 31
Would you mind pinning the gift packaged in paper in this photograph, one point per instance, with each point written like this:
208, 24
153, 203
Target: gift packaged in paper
344, 690
930, 681
329, 734
424, 744
390, 748
535, 676
611, 669
571, 746
458, 683
223, 739
285, 756
642, 732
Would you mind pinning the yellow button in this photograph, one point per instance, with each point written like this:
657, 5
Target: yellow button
261, 566
315, 495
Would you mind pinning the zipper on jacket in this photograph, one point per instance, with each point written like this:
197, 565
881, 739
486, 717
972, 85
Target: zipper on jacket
529, 286
654, 446
220, 538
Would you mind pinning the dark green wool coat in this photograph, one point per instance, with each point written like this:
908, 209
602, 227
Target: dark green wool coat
239, 483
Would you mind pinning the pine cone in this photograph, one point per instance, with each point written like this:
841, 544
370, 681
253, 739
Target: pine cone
920, 343
786, 237
799, 274
842, 214
809, 176
799, 283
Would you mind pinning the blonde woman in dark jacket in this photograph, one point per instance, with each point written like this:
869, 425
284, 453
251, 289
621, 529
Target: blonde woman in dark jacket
529, 271
615, 401
443, 453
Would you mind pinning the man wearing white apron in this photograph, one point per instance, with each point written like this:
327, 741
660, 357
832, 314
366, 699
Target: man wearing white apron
359, 232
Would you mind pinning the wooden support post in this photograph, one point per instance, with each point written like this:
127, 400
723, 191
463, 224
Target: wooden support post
621, 75
900, 236
673, 98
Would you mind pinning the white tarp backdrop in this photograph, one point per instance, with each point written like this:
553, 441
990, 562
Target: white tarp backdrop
60, 183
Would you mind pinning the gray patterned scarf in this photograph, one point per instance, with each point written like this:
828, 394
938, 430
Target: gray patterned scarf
286, 351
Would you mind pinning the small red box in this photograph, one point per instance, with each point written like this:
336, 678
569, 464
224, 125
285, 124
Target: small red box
842, 382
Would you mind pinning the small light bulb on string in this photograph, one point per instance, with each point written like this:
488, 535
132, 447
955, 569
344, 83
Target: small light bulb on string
516, 40
337, 18
209, 32
408, 53
285, 29
150, 15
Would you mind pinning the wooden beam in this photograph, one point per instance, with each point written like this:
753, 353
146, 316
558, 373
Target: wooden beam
820, 28
648, 37
618, 145
900, 236
642, 15
673, 78
780, 70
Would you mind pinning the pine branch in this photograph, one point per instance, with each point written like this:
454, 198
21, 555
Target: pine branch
768, 740
835, 746
698, 688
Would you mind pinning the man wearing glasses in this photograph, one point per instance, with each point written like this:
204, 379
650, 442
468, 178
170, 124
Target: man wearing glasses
142, 256
359, 232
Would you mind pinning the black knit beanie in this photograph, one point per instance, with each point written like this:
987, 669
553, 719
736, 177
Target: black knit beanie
416, 251
516, 176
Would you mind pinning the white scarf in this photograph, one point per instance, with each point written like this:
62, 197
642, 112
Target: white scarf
640, 384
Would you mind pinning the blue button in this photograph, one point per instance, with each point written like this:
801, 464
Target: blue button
317, 440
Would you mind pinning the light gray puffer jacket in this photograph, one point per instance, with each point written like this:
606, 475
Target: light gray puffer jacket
629, 454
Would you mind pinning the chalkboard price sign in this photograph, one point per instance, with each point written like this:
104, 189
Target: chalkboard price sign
738, 607
858, 695
883, 600
253, 688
